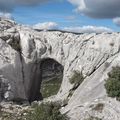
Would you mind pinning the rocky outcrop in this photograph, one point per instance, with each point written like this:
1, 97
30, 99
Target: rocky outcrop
92, 54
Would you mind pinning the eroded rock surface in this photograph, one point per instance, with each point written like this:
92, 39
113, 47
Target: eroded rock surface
92, 54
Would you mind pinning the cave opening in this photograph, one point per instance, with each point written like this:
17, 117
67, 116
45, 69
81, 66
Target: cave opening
52, 76
47, 80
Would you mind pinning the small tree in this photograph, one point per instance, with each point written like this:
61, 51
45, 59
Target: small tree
112, 84
77, 78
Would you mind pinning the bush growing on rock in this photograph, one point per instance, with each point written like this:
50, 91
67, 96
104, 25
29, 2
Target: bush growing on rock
76, 79
46, 111
112, 84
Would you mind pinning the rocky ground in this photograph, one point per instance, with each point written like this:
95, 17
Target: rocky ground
12, 111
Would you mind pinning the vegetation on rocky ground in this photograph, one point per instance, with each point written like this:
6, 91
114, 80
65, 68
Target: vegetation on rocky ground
77, 78
46, 111
13, 113
51, 87
112, 84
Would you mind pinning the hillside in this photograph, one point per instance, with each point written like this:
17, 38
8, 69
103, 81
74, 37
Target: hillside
23, 51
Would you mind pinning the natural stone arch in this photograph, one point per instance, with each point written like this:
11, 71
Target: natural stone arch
48, 76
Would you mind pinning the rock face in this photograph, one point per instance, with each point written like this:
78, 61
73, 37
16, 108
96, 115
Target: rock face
92, 54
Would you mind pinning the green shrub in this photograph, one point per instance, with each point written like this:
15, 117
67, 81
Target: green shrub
77, 78
112, 84
46, 111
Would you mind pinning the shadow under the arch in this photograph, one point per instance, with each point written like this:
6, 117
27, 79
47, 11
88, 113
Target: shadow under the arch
52, 76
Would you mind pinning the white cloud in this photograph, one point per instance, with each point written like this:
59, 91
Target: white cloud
46, 26
98, 8
88, 29
79, 3
117, 21
5, 15
84, 29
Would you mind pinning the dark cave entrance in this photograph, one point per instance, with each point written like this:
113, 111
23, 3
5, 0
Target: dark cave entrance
52, 75
47, 79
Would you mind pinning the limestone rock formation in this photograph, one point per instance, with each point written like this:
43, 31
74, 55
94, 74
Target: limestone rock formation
22, 49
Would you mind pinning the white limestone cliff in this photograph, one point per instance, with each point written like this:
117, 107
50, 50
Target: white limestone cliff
92, 54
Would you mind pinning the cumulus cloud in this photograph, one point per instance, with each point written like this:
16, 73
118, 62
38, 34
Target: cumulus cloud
46, 26
88, 29
98, 8
117, 21
8, 5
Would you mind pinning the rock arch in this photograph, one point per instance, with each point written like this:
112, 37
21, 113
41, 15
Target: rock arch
48, 72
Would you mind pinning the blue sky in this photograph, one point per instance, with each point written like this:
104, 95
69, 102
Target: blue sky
62, 13
54, 11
